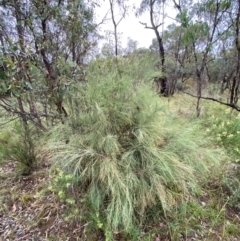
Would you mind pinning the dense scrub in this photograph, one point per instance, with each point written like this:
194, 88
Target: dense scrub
127, 164
128, 153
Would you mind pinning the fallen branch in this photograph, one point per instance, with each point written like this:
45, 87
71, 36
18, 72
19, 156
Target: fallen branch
235, 107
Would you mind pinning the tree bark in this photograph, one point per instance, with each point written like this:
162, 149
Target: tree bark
161, 81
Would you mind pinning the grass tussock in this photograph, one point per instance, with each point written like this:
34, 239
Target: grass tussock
17, 144
128, 152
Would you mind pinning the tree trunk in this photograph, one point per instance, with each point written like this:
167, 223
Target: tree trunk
162, 82
199, 92
236, 78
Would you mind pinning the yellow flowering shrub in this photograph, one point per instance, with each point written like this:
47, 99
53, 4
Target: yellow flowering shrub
225, 130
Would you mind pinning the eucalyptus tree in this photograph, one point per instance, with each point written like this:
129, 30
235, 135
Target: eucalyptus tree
202, 31
234, 78
43, 46
178, 55
119, 10
131, 46
154, 7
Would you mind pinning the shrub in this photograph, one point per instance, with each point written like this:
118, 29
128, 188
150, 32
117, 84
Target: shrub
16, 144
224, 126
128, 153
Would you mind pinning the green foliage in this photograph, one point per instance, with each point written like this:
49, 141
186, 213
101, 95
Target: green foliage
17, 144
38, 81
2, 75
225, 128
190, 218
183, 18
138, 66
212, 6
62, 185
231, 185
195, 31
223, 124
225, 4
127, 152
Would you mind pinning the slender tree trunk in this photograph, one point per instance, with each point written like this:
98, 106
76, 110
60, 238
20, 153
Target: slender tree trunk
116, 41
199, 92
236, 77
115, 28
24, 66
160, 81
22, 113
123, 7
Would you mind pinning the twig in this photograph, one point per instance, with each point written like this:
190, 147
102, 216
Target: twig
2, 124
145, 24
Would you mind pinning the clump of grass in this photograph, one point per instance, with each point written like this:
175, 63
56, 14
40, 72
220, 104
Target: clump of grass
17, 144
128, 154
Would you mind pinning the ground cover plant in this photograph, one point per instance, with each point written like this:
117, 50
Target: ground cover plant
17, 145
223, 124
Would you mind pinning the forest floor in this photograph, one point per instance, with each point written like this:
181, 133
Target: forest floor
29, 211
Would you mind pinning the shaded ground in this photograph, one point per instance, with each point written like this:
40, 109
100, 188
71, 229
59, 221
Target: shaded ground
29, 211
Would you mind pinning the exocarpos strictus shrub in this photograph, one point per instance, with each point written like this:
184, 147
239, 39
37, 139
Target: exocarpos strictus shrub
128, 153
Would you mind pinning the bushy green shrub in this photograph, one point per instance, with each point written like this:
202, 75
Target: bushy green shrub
17, 144
135, 66
128, 153
231, 185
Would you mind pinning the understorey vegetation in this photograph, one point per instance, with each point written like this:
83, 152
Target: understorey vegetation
125, 161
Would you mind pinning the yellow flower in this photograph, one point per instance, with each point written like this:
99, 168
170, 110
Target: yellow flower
68, 177
68, 185
227, 110
70, 201
61, 194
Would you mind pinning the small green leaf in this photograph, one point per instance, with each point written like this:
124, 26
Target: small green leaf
29, 85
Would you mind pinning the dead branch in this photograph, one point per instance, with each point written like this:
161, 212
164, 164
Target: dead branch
233, 106
145, 24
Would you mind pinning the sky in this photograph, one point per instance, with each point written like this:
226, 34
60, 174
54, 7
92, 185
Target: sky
130, 26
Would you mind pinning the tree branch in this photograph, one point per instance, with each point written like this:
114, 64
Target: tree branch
233, 106
160, 24
145, 24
